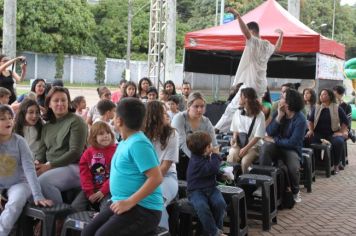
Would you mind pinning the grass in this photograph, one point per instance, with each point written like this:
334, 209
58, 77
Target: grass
353, 125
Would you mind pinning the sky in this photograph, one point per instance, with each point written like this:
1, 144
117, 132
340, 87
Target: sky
350, 2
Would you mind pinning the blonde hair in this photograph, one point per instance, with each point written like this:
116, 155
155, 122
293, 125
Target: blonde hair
194, 96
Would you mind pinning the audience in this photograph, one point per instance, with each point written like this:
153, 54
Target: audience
116, 96
4, 96
165, 141
106, 110
173, 103
29, 124
285, 137
143, 86
309, 96
80, 105
135, 176
152, 94
104, 94
339, 92
94, 169
207, 200
189, 121
18, 174
130, 90
62, 143
248, 127
328, 121
186, 90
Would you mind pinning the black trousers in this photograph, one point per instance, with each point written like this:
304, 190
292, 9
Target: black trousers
270, 153
137, 221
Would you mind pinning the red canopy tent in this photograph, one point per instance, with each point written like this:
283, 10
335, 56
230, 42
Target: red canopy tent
217, 50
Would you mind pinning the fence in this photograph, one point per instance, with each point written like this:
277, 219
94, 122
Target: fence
81, 69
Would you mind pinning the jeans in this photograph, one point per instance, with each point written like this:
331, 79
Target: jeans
270, 152
17, 197
56, 180
209, 205
137, 221
169, 188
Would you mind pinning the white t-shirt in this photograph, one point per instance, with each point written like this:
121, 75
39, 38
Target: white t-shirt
171, 151
252, 69
241, 123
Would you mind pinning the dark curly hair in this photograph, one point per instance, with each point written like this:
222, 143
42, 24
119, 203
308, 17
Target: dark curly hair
253, 105
155, 128
330, 93
294, 100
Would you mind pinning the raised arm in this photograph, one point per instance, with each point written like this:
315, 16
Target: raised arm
279, 42
242, 24
9, 62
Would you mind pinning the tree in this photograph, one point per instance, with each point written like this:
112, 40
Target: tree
100, 68
55, 26
59, 65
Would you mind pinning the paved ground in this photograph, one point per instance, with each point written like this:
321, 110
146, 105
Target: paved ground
329, 210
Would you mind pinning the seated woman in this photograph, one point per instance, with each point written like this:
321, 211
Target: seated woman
309, 97
249, 120
285, 137
165, 141
38, 87
62, 143
328, 121
189, 121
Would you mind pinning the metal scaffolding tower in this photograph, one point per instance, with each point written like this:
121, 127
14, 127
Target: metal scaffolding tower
157, 41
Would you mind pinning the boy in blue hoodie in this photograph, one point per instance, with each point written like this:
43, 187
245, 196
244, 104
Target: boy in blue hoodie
206, 199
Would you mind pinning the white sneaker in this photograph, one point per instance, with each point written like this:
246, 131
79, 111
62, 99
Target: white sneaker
257, 192
297, 197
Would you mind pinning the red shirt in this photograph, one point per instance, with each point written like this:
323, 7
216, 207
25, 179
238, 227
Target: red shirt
94, 169
116, 96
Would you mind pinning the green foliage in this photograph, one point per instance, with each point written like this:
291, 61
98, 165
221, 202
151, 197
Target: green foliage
100, 68
55, 26
75, 27
59, 65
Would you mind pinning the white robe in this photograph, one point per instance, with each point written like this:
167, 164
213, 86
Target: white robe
252, 72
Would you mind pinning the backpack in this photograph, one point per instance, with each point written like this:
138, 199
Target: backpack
287, 195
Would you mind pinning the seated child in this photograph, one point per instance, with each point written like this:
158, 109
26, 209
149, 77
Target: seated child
17, 173
4, 96
135, 177
29, 123
106, 110
206, 199
173, 104
94, 167
80, 105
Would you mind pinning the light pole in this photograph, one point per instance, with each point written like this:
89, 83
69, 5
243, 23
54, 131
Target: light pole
128, 48
333, 29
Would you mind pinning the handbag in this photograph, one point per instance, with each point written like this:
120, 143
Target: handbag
242, 139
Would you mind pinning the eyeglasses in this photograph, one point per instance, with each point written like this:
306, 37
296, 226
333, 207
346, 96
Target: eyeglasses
107, 94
